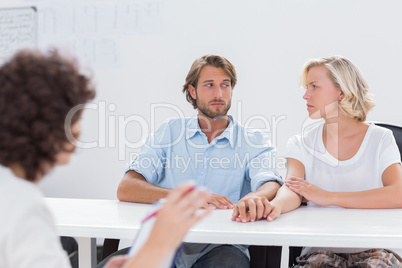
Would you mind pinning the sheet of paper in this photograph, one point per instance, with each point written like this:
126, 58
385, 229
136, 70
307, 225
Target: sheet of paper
143, 235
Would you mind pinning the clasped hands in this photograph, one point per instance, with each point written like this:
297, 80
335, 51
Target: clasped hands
250, 208
254, 207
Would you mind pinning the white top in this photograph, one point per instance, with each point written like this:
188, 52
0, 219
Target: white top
361, 172
28, 235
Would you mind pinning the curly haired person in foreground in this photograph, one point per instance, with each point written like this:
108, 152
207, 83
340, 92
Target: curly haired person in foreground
37, 92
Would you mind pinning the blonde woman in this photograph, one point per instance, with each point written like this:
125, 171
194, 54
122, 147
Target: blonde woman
341, 160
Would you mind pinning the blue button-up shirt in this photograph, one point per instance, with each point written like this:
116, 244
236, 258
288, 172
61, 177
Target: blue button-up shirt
235, 163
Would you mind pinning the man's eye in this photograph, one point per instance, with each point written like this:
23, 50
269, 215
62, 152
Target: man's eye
226, 85
208, 85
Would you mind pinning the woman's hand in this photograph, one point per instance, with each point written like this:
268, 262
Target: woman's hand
309, 191
275, 212
173, 220
178, 214
117, 262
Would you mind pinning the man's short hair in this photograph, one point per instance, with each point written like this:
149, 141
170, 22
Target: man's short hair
195, 71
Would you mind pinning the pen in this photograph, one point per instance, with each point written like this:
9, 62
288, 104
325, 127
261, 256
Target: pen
160, 203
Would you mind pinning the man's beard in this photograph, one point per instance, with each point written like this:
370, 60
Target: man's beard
213, 113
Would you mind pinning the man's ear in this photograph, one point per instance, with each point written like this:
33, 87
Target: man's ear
193, 94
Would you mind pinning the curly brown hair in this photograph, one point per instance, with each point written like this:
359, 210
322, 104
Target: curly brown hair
37, 90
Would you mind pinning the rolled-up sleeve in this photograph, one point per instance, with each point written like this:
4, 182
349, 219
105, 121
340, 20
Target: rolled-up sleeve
151, 160
262, 166
261, 169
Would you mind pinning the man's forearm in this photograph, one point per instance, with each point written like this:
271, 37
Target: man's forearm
134, 188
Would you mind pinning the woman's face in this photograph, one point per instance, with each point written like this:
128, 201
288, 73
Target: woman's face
322, 95
64, 156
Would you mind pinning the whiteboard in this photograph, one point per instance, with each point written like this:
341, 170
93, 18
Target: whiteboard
18, 28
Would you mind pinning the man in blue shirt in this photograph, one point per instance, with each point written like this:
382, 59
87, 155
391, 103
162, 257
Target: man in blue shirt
214, 150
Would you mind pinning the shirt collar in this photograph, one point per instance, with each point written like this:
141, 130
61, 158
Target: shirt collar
193, 128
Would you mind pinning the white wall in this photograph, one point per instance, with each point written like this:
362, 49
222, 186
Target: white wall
268, 41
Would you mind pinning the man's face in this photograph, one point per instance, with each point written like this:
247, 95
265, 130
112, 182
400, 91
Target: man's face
213, 93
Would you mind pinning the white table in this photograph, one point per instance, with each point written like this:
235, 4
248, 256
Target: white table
306, 226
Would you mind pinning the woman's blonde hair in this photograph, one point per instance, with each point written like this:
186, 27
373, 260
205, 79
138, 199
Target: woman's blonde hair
357, 100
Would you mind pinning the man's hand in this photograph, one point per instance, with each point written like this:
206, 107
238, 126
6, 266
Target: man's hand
309, 191
218, 201
252, 207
